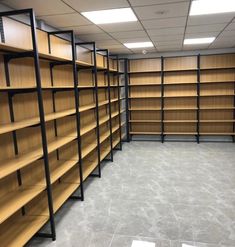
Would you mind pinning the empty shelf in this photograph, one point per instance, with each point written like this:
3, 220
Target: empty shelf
102, 103
144, 133
216, 95
144, 97
6, 47
88, 148
179, 96
144, 121
218, 134
147, 84
179, 108
23, 228
180, 121
145, 109
218, 108
16, 199
87, 128
179, 83
84, 64
89, 166
180, 133
217, 121
87, 107
103, 120
105, 150
214, 82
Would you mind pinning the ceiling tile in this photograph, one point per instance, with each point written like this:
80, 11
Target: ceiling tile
166, 31
94, 37
104, 46
169, 48
120, 51
223, 42
130, 40
66, 20
201, 35
230, 27
228, 33
118, 27
107, 42
90, 5
205, 28
195, 47
152, 2
164, 23
147, 49
87, 29
173, 43
52, 7
210, 19
132, 34
162, 11
166, 37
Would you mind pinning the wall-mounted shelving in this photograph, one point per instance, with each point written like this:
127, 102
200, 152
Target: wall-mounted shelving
190, 95
56, 124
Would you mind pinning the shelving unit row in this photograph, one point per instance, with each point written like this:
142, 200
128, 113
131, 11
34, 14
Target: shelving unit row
59, 120
190, 95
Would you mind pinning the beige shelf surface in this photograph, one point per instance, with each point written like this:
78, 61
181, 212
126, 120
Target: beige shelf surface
15, 200
180, 133
145, 109
89, 147
180, 121
89, 167
22, 228
88, 128
179, 108
145, 121
217, 133
144, 133
86, 107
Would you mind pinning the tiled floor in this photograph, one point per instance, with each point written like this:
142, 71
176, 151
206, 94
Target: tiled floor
169, 194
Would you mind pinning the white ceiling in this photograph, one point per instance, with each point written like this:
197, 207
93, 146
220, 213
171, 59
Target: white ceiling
164, 22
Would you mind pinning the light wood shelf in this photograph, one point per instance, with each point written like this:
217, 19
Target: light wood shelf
144, 133
22, 228
180, 133
15, 200
144, 121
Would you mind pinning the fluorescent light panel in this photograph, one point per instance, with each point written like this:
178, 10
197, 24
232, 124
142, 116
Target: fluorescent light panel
199, 41
110, 16
138, 45
204, 7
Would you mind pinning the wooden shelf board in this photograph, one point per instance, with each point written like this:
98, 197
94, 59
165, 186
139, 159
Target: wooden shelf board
84, 64
103, 120
115, 128
180, 121
114, 100
214, 82
116, 142
104, 152
179, 83
52, 57
145, 109
146, 71
144, 133
114, 114
180, 133
58, 87
5, 47
180, 109
87, 128
23, 228
6, 88
217, 121
102, 103
144, 121
104, 136
217, 108
216, 95
86, 107
89, 167
146, 84
58, 142
5, 128
179, 96
88, 148
13, 201
86, 87
62, 192
144, 97
218, 68
180, 70
218, 134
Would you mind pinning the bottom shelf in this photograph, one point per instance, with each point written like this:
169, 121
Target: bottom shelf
144, 133
19, 231
180, 133
217, 134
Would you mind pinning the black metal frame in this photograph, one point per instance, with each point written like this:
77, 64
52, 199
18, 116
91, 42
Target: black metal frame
117, 74
162, 100
128, 114
106, 51
35, 56
198, 98
94, 71
76, 96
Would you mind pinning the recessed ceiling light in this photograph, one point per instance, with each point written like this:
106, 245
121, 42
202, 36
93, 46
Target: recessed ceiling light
110, 16
139, 44
204, 7
199, 41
